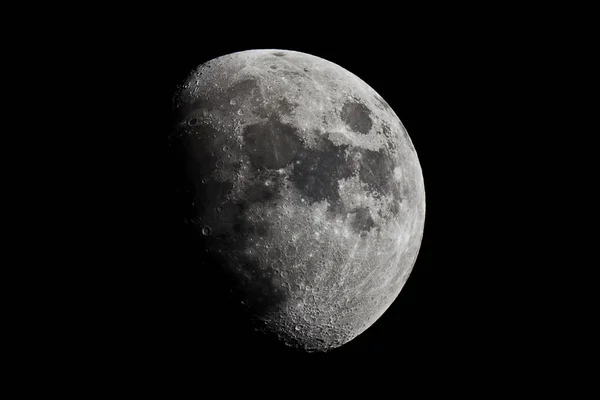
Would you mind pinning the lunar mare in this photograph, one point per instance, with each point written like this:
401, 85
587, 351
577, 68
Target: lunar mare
305, 186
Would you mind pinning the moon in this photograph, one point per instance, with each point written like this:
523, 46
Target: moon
305, 187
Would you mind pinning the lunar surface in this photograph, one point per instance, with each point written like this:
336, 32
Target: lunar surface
304, 187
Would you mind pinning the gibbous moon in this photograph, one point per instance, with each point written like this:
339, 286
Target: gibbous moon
305, 188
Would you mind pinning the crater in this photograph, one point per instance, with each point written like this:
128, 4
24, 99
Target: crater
241, 89
279, 54
285, 107
357, 116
